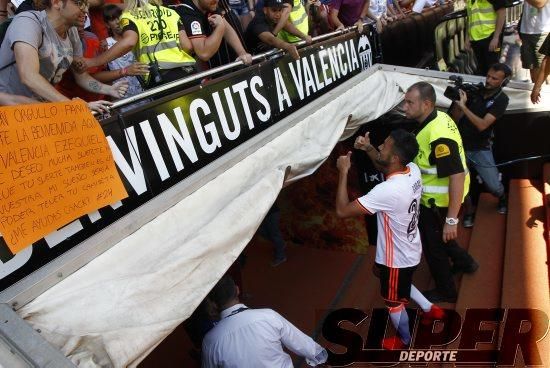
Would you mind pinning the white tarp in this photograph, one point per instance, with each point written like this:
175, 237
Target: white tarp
117, 308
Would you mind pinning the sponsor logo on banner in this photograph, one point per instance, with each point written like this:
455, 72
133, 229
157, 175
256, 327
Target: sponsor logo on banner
165, 141
484, 337
365, 52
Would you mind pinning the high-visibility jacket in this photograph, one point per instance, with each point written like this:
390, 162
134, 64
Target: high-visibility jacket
166, 51
298, 17
434, 187
482, 19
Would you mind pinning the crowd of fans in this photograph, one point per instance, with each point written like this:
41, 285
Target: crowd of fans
104, 50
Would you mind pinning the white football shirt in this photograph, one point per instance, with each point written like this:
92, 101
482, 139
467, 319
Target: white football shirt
396, 203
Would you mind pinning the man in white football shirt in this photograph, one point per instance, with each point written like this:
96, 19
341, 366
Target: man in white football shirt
396, 203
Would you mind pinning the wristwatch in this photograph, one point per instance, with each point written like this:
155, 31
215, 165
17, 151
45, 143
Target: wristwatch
451, 221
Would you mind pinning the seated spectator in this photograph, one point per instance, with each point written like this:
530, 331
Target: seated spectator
157, 35
259, 37
35, 54
207, 28
419, 5
246, 337
125, 67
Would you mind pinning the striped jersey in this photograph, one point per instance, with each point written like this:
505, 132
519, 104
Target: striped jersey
396, 203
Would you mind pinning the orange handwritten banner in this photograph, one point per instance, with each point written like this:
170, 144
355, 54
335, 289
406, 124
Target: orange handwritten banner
55, 166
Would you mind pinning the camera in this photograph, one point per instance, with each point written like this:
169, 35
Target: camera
453, 92
155, 78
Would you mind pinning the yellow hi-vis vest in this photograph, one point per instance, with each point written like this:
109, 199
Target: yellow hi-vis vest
482, 19
166, 52
298, 17
433, 186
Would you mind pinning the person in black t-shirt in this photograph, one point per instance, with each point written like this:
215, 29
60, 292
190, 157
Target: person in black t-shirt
476, 116
206, 27
259, 37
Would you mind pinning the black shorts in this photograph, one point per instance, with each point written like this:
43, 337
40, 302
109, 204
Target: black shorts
395, 283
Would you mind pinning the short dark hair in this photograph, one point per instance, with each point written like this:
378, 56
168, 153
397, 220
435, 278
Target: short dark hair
405, 145
426, 91
224, 291
501, 67
111, 11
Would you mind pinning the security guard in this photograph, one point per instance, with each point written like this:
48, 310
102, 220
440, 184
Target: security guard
445, 181
157, 37
299, 19
485, 24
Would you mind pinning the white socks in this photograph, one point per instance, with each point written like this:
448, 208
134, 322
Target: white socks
420, 299
400, 320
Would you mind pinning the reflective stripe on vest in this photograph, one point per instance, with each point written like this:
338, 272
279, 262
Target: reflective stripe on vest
298, 17
166, 52
482, 19
432, 185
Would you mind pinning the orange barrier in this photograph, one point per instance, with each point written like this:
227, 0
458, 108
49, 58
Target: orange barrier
488, 238
525, 277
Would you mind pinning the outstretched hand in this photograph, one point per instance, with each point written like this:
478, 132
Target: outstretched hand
362, 142
344, 163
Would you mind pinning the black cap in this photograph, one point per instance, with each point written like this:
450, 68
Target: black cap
274, 3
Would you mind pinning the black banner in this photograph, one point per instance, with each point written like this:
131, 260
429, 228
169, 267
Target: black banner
163, 142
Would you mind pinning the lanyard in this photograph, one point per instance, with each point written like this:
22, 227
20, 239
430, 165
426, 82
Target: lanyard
237, 311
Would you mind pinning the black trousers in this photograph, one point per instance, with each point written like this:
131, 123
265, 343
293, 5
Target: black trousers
484, 57
437, 252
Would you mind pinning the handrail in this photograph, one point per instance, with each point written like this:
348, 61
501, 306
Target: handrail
207, 73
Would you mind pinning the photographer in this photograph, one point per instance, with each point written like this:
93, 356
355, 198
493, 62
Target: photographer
476, 113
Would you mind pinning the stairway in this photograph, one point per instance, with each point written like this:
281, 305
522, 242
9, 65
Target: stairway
514, 270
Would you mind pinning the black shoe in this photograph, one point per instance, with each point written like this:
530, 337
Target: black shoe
435, 296
502, 205
468, 221
471, 268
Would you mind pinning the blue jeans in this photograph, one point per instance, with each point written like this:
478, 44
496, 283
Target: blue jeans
484, 163
269, 229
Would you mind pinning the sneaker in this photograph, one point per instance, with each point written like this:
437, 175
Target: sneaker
277, 262
468, 221
393, 343
433, 314
502, 205
435, 296
471, 268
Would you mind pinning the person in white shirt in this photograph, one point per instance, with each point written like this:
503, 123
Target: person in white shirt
253, 338
419, 5
534, 27
396, 203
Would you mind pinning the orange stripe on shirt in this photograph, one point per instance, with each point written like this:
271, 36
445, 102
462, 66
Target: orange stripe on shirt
364, 208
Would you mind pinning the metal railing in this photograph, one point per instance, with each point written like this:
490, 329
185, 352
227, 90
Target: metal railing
201, 75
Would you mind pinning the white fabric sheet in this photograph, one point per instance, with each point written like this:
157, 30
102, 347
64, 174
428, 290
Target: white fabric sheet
117, 308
